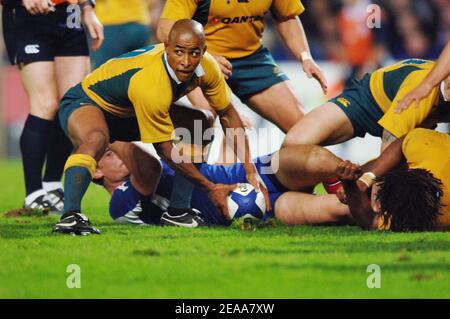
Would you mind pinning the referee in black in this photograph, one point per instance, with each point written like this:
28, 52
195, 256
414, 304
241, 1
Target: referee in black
48, 43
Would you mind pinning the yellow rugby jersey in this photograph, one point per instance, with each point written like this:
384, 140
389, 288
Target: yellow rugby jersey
141, 83
111, 12
390, 84
430, 150
233, 28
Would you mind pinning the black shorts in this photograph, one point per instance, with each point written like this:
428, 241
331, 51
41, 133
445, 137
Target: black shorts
32, 38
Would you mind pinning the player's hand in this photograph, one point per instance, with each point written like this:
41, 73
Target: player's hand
255, 180
416, 95
312, 70
225, 65
348, 171
246, 122
94, 26
341, 195
38, 6
219, 197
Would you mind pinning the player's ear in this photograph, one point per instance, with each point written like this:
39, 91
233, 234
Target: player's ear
204, 49
98, 174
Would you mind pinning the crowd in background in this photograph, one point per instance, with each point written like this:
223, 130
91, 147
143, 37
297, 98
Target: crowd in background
348, 31
338, 30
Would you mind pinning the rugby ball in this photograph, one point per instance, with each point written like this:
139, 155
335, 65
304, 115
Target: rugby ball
245, 202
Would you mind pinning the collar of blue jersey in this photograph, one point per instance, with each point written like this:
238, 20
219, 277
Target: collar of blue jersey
198, 71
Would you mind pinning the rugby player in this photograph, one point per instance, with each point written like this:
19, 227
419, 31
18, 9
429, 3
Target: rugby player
367, 106
49, 46
406, 189
233, 35
128, 98
289, 175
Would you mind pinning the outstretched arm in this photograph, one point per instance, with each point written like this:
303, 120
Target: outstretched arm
235, 134
293, 34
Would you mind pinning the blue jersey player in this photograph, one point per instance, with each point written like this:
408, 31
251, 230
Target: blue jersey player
140, 195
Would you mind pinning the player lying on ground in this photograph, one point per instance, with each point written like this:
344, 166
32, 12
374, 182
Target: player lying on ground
367, 106
406, 189
129, 98
289, 175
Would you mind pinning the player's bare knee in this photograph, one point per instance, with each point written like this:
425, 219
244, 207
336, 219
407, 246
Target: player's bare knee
94, 143
320, 156
44, 107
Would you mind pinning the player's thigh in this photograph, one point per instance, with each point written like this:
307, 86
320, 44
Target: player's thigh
88, 130
70, 70
295, 208
325, 125
39, 81
301, 167
278, 104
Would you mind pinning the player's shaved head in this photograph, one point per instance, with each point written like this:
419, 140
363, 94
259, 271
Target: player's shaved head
185, 48
187, 29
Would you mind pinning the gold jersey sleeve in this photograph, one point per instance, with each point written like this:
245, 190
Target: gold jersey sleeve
179, 9
213, 84
282, 9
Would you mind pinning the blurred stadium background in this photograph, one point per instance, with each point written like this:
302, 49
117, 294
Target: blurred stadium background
340, 41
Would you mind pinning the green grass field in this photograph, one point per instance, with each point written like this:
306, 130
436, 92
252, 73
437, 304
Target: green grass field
164, 262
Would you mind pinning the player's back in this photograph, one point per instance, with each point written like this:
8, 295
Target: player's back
108, 85
430, 150
387, 82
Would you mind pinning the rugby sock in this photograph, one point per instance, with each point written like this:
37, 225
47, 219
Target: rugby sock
59, 149
33, 146
182, 191
332, 185
79, 170
51, 186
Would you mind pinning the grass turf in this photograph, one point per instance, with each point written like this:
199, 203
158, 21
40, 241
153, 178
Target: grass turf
163, 262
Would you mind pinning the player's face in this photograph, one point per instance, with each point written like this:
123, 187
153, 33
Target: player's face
184, 55
112, 167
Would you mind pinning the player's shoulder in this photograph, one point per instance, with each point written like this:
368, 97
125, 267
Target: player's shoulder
209, 63
143, 55
427, 144
426, 138
421, 63
413, 64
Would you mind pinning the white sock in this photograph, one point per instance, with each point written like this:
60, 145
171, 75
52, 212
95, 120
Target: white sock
30, 198
51, 186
